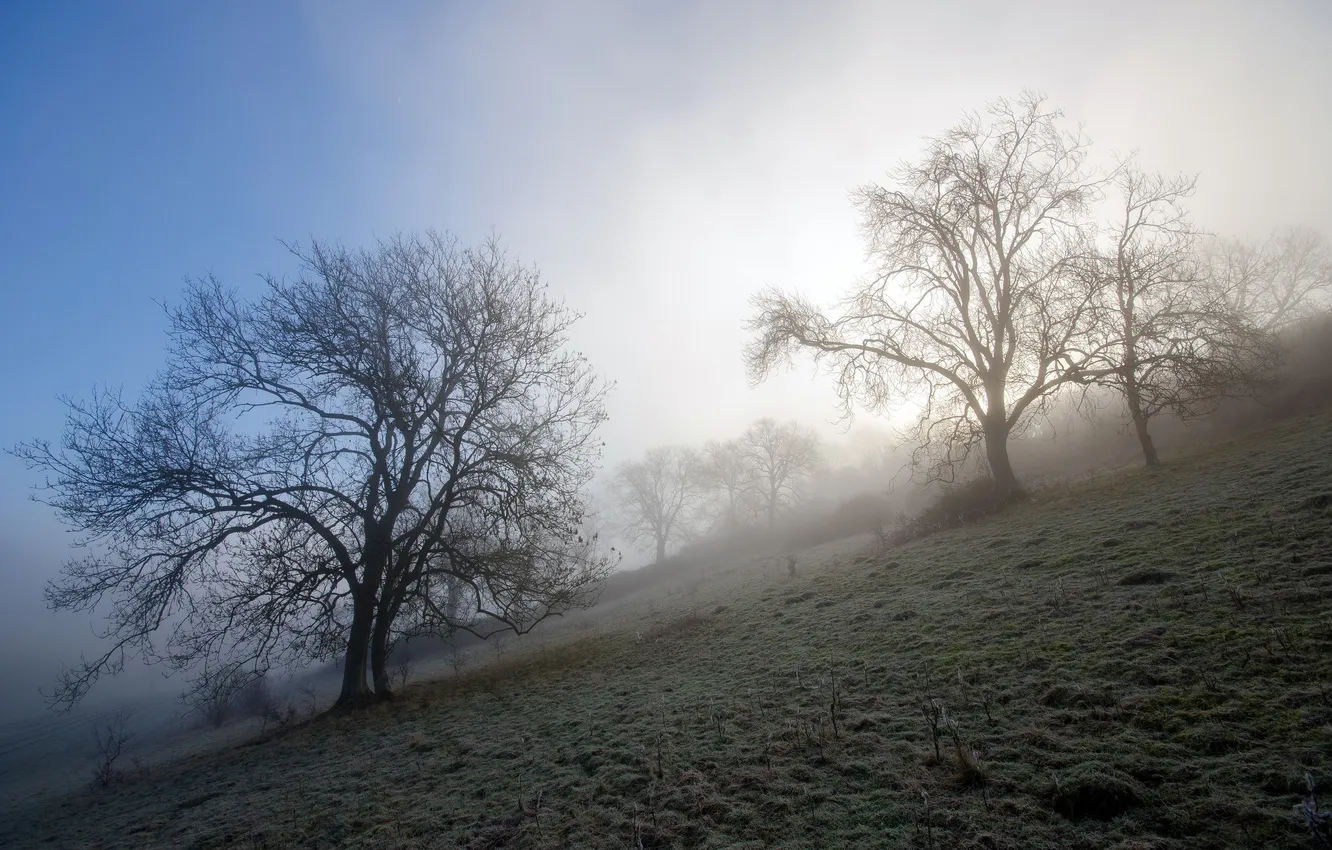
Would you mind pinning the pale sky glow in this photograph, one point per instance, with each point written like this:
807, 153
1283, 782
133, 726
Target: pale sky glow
660, 170
660, 162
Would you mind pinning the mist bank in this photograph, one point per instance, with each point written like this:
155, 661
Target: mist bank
875, 489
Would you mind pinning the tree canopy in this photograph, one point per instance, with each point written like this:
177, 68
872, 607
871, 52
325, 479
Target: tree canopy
972, 309
394, 442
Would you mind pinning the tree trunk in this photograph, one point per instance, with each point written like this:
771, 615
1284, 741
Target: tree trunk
1148, 447
1001, 469
1134, 398
354, 688
390, 602
379, 657
365, 601
661, 548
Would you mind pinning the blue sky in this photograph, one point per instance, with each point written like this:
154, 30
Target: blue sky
142, 142
145, 142
658, 161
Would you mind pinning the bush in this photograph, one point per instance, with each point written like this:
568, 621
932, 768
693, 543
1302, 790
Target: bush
215, 695
402, 667
256, 698
857, 514
957, 505
862, 512
1147, 576
110, 735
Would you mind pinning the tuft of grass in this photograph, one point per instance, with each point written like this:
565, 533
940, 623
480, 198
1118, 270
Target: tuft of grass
1095, 790
1146, 576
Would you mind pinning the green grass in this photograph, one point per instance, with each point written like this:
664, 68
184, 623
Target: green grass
1141, 661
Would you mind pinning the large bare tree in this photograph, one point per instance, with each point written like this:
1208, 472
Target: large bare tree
394, 441
1171, 339
657, 498
781, 457
972, 312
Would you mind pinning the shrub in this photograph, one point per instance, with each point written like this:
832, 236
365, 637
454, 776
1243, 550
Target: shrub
256, 698
862, 512
215, 694
110, 735
402, 668
957, 505
858, 514
1147, 576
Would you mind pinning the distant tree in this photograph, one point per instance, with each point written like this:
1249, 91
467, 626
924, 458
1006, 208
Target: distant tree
972, 311
656, 497
727, 471
876, 456
781, 457
1170, 340
1275, 283
394, 441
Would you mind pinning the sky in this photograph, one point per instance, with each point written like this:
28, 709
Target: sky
659, 162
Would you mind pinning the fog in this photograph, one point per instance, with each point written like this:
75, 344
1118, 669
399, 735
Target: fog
662, 162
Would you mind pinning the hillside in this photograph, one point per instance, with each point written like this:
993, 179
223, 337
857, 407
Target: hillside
1141, 661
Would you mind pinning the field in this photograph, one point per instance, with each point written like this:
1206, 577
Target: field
1141, 660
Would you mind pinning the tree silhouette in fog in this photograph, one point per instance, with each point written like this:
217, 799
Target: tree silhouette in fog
657, 497
393, 443
1170, 336
781, 457
972, 309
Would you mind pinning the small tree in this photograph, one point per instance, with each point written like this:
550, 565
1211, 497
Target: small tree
214, 693
402, 668
110, 734
1169, 339
973, 312
256, 699
656, 497
781, 457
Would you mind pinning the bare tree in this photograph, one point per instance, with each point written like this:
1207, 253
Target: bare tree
1277, 282
110, 734
256, 698
310, 694
656, 497
215, 692
312, 470
402, 664
1170, 339
727, 471
972, 312
781, 457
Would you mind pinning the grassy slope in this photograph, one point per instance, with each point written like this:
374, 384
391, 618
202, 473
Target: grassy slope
1162, 637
